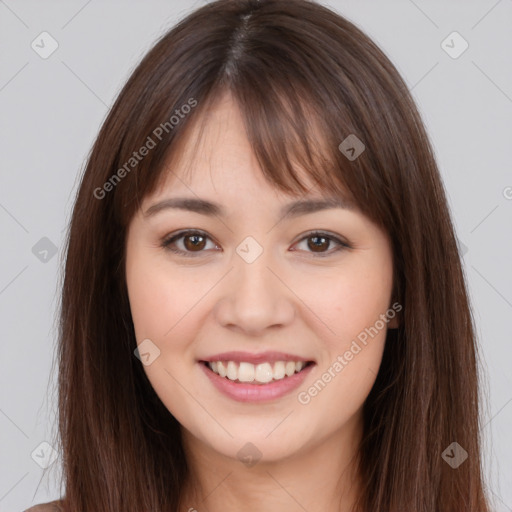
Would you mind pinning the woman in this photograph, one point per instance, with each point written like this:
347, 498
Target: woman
263, 305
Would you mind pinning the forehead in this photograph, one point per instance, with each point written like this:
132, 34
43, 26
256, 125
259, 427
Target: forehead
214, 156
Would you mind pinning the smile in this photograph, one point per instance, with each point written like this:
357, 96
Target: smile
260, 373
247, 382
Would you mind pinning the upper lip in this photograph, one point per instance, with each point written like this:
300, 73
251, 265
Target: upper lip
261, 357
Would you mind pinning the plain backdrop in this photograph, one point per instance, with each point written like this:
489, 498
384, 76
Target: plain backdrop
52, 109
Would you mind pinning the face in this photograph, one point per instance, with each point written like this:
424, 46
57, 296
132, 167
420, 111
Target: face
259, 291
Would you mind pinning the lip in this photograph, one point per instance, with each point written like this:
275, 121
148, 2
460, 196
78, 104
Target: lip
248, 357
245, 392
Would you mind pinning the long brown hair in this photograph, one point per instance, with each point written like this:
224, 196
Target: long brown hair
295, 69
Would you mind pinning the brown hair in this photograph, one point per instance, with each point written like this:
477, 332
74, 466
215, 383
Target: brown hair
291, 65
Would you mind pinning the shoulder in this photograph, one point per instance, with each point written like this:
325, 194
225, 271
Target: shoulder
51, 506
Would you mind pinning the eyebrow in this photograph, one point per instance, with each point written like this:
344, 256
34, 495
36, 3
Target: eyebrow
208, 208
204, 207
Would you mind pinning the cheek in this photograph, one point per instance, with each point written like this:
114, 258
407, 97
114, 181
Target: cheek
160, 298
350, 358
162, 307
348, 313
345, 303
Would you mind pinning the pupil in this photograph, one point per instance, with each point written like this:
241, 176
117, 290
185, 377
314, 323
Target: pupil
315, 246
195, 243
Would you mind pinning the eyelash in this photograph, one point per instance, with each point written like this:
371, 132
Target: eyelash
166, 243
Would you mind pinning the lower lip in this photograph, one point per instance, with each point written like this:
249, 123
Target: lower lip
244, 392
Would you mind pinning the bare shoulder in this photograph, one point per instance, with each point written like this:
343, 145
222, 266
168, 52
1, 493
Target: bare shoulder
51, 506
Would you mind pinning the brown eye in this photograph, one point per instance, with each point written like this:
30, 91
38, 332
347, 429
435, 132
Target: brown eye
319, 243
194, 242
187, 243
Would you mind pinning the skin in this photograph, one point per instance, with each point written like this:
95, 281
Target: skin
290, 299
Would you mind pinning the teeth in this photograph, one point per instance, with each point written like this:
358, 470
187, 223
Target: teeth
246, 372
262, 373
279, 370
232, 373
221, 369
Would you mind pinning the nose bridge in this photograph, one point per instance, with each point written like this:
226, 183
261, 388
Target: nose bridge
254, 278
254, 298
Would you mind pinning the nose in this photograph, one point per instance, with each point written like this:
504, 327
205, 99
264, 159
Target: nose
255, 298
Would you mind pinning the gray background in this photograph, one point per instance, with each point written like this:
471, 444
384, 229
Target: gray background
51, 110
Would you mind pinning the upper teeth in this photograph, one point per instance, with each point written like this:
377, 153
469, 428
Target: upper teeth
264, 372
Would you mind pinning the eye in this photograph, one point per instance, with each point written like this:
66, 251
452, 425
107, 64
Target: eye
318, 241
194, 242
